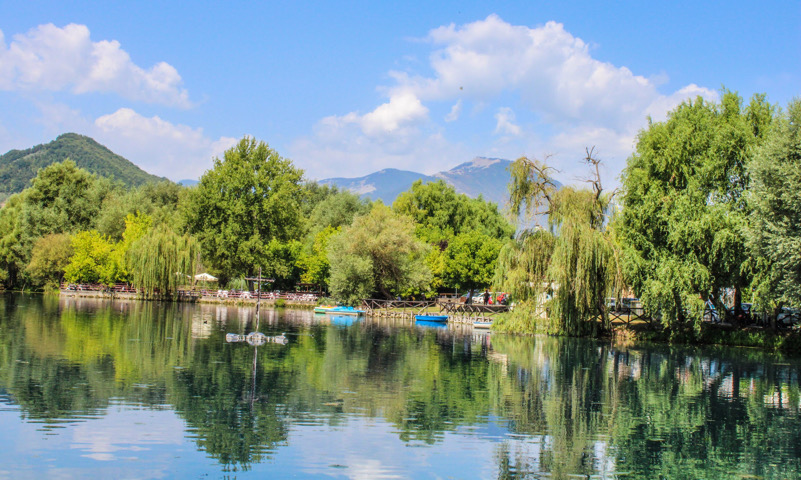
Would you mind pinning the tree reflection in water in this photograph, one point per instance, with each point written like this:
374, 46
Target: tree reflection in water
545, 405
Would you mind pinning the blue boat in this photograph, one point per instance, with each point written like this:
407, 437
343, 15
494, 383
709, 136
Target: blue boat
344, 311
431, 318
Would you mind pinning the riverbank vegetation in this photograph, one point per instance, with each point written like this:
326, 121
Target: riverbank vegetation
706, 218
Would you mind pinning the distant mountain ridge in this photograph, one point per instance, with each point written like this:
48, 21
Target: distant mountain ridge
18, 167
488, 177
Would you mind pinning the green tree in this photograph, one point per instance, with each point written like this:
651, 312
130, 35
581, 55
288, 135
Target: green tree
684, 216
337, 210
159, 201
315, 265
93, 260
62, 198
441, 215
50, 256
161, 260
575, 261
377, 254
251, 197
775, 197
470, 260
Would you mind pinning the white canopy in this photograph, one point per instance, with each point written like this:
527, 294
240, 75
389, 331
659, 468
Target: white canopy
205, 277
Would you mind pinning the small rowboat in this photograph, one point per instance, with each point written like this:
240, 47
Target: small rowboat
431, 318
323, 308
482, 324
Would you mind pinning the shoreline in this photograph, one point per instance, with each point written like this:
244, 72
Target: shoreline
751, 337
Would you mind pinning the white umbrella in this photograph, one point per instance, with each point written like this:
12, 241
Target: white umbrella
205, 277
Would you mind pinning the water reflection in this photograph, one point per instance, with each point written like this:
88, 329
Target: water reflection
115, 374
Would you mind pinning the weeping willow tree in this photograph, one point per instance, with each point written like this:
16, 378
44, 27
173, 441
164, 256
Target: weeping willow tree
161, 261
561, 273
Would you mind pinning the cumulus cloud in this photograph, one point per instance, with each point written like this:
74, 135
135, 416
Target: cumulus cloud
505, 122
398, 116
158, 146
49, 58
560, 99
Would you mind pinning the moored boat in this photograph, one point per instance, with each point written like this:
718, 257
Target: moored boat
323, 308
431, 318
482, 324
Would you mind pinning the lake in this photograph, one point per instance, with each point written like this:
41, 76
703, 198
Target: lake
92, 388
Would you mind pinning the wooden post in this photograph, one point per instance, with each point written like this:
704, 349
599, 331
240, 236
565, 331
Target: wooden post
258, 294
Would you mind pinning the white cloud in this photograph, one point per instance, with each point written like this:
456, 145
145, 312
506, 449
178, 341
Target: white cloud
456, 110
158, 146
505, 122
559, 100
50, 58
397, 117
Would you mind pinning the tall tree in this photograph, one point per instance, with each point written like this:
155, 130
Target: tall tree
441, 216
377, 254
250, 198
439, 213
775, 197
575, 261
161, 260
684, 214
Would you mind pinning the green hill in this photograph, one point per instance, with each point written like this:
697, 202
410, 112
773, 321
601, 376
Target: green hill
18, 167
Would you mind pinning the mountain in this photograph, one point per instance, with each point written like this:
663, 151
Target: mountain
383, 185
18, 167
487, 177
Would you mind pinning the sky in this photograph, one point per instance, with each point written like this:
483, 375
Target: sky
344, 89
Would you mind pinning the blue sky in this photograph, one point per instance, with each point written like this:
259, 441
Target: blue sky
345, 89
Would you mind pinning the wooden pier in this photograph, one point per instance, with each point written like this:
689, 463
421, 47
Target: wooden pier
457, 312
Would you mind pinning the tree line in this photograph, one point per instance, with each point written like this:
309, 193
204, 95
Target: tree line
252, 211
709, 206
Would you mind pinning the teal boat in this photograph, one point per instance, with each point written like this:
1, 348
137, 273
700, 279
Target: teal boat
323, 308
344, 311
431, 318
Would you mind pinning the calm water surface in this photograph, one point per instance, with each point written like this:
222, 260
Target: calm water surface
143, 390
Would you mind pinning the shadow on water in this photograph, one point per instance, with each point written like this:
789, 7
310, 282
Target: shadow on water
543, 406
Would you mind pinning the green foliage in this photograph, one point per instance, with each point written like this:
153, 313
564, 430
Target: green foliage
315, 265
440, 213
94, 260
18, 167
160, 201
61, 199
378, 254
441, 216
575, 261
161, 259
250, 198
775, 197
338, 209
49, 258
469, 260
683, 223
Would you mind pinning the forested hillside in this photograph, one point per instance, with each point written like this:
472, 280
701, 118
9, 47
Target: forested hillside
18, 167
